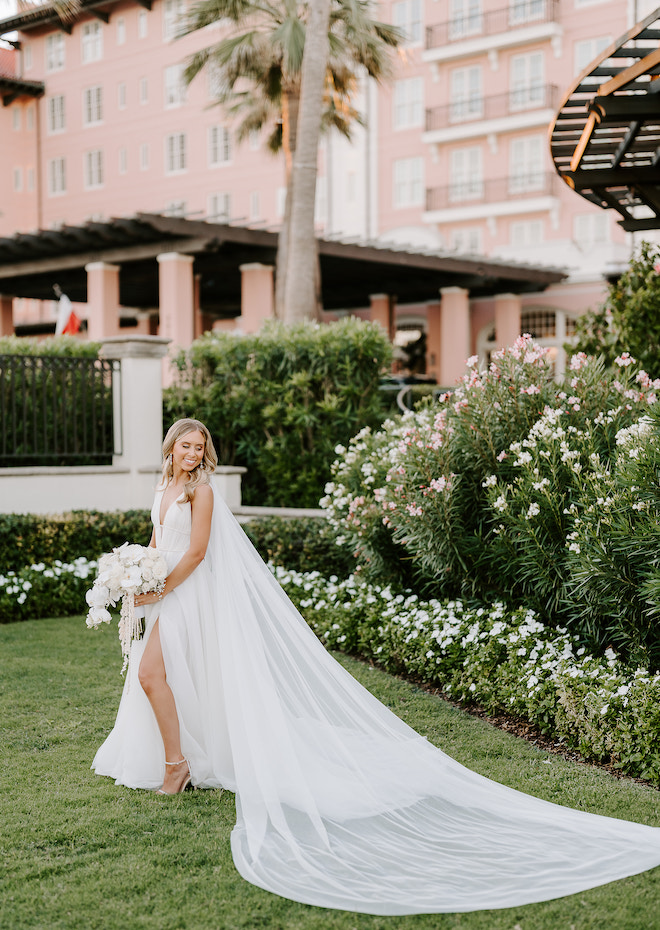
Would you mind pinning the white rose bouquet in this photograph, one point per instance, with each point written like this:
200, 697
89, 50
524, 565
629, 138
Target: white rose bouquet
126, 571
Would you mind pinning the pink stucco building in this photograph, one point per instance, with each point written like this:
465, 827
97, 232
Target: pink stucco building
454, 156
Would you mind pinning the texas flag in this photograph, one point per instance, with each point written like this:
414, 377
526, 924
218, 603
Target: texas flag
67, 321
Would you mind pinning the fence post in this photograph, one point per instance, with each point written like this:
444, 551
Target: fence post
140, 404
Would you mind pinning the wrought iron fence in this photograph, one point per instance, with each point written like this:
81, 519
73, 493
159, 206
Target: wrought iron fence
58, 411
470, 109
477, 190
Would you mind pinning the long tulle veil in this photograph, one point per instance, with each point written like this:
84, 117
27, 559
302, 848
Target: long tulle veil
341, 804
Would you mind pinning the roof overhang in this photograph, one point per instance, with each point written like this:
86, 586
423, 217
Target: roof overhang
30, 264
11, 88
605, 139
36, 15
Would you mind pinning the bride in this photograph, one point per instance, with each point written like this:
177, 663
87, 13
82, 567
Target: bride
338, 802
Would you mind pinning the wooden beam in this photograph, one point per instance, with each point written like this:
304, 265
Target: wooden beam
628, 75
585, 138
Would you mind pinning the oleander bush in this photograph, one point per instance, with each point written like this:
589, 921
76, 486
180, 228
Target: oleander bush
502, 659
479, 495
279, 401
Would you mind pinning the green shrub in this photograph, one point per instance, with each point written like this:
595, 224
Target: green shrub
39, 590
67, 346
279, 401
29, 538
301, 544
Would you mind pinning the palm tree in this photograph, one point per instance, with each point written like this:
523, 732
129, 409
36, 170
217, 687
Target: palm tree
258, 67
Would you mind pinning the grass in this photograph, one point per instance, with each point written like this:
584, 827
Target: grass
79, 852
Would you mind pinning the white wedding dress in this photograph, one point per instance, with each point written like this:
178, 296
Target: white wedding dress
339, 803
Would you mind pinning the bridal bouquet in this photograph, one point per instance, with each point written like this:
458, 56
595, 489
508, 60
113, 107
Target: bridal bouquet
126, 571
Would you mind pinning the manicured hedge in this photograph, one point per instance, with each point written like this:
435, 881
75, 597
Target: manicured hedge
301, 544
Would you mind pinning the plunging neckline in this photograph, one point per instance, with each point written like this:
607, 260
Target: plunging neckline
162, 518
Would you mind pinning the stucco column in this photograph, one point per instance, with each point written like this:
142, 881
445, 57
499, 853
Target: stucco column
102, 300
257, 296
138, 411
382, 312
454, 333
507, 319
6, 315
176, 298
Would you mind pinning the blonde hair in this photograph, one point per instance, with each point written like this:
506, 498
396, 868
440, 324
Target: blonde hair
201, 474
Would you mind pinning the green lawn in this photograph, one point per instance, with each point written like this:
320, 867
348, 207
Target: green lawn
78, 852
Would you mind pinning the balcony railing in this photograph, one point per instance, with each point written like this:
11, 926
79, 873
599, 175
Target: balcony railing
471, 109
517, 14
492, 190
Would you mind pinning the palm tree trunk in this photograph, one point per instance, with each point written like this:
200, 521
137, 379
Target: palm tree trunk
290, 107
300, 285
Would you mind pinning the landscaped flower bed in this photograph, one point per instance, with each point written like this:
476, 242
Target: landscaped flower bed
504, 660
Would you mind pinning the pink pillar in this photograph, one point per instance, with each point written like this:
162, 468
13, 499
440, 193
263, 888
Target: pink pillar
176, 293
382, 312
454, 333
507, 319
6, 315
257, 296
433, 341
102, 300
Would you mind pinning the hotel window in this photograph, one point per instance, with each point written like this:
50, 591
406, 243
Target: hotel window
254, 206
29, 117
527, 89
30, 179
121, 30
466, 177
56, 114
93, 105
407, 15
175, 152
123, 161
526, 164
27, 57
408, 182
172, 13
586, 50
467, 101
144, 156
121, 95
591, 229
526, 11
214, 78
16, 120
55, 52
219, 145
175, 88
93, 169
176, 208
280, 202
56, 176
254, 138
408, 103
465, 18
526, 232
92, 42
142, 24
219, 207
467, 241
18, 179
144, 91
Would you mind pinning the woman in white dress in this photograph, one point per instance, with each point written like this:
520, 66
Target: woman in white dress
339, 803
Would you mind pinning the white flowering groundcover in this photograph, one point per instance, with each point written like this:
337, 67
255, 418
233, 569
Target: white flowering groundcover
501, 659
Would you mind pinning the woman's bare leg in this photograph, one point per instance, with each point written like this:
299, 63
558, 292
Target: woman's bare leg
154, 683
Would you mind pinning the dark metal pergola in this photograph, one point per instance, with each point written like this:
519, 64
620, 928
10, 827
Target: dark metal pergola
605, 139
30, 263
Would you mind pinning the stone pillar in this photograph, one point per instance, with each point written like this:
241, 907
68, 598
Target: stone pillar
176, 297
507, 319
382, 312
138, 411
257, 296
433, 341
454, 334
102, 300
6, 315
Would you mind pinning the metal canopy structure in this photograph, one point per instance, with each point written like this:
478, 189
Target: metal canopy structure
30, 263
605, 139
